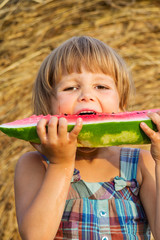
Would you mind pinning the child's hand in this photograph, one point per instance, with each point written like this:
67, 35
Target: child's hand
154, 136
58, 145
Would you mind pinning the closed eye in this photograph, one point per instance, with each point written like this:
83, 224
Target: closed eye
70, 89
102, 87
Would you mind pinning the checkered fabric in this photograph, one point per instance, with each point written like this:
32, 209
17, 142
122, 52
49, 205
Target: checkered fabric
106, 210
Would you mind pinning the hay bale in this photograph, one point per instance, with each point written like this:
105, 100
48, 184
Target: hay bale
31, 29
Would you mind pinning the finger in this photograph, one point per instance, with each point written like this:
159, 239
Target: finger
155, 117
52, 128
41, 130
76, 130
62, 128
148, 131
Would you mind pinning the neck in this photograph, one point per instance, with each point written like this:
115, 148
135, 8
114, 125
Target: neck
86, 153
96, 153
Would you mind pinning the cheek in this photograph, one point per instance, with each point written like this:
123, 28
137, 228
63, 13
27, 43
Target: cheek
112, 97
111, 102
54, 106
116, 101
64, 104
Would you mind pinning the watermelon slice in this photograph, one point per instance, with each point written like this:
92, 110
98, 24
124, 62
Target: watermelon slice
98, 129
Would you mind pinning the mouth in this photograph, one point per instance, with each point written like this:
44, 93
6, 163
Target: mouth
85, 112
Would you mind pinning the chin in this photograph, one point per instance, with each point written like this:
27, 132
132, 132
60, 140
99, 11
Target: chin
86, 149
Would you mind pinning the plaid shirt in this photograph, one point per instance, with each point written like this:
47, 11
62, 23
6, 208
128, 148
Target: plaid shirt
106, 210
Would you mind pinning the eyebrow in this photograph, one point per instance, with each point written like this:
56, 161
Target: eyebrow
105, 78
71, 78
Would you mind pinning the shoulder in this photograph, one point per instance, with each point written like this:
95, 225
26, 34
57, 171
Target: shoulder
146, 162
30, 163
31, 158
146, 166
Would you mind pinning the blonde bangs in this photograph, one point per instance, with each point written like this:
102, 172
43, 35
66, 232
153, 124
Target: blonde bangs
90, 53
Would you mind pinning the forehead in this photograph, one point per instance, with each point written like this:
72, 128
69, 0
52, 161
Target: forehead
78, 72
85, 77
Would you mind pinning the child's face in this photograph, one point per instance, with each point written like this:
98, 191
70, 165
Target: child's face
86, 91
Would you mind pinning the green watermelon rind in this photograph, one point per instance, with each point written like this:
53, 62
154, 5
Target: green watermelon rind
95, 134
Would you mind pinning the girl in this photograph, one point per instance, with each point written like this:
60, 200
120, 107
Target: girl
65, 192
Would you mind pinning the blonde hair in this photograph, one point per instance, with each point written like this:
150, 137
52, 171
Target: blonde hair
74, 53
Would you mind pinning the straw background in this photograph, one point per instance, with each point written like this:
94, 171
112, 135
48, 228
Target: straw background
29, 30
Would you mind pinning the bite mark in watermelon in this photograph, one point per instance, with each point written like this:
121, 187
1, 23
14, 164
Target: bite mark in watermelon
98, 130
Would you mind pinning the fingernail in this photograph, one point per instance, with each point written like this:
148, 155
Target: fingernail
149, 113
142, 124
79, 120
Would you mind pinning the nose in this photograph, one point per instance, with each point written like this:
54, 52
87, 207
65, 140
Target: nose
86, 96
